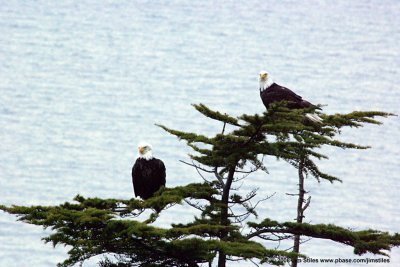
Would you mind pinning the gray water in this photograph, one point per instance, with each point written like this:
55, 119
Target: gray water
82, 83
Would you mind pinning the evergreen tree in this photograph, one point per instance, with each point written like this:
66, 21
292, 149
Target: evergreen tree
223, 231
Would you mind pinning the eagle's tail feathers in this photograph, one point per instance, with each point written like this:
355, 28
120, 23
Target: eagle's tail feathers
314, 117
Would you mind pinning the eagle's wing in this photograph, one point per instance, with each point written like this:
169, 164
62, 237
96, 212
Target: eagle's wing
278, 93
137, 179
289, 94
163, 173
295, 101
159, 176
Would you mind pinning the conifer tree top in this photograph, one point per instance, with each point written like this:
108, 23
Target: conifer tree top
225, 228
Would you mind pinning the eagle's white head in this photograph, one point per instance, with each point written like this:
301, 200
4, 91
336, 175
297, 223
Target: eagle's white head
145, 151
265, 80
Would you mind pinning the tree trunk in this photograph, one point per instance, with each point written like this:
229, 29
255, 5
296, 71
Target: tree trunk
300, 210
221, 259
224, 214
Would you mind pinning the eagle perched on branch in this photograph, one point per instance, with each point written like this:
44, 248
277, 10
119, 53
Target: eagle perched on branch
271, 92
148, 173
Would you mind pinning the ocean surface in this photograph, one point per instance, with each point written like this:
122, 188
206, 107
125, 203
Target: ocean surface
82, 82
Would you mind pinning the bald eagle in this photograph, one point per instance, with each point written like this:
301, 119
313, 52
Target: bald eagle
271, 92
148, 173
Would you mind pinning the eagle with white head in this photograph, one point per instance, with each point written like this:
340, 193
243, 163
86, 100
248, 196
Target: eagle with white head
148, 172
271, 92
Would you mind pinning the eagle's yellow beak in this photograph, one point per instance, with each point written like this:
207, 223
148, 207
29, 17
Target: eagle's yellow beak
263, 76
141, 149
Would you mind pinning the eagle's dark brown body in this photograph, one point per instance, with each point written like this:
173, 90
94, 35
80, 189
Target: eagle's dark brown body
148, 175
277, 93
